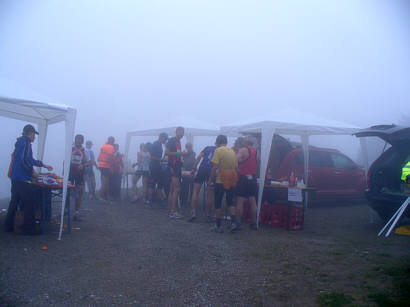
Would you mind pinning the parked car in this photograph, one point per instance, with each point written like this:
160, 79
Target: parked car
331, 173
385, 192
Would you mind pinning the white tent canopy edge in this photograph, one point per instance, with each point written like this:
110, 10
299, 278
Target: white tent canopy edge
268, 128
44, 114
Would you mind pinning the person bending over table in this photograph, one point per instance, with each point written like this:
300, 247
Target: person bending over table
21, 175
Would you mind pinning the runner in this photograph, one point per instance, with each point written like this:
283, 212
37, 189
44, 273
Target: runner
89, 176
156, 178
187, 182
173, 151
104, 164
76, 176
143, 161
225, 162
247, 189
116, 168
202, 176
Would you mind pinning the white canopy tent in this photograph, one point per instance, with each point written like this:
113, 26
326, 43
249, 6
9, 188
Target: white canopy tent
44, 114
193, 128
305, 126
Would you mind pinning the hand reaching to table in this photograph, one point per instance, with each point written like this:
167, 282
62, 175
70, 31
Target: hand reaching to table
48, 167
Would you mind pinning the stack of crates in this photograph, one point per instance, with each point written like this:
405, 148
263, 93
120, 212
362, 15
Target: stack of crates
289, 217
278, 215
294, 218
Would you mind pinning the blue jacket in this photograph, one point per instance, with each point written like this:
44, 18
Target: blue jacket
22, 168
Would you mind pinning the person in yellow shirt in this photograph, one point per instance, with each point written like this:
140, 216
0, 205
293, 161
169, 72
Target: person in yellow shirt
225, 167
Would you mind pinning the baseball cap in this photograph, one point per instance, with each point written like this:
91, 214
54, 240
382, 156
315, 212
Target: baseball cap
29, 129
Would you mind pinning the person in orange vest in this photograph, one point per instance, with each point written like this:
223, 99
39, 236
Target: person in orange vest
104, 165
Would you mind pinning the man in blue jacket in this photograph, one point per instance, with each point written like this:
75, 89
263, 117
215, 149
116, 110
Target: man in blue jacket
22, 173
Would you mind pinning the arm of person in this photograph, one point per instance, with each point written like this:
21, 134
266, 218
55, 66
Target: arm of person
121, 165
139, 158
170, 153
197, 160
242, 154
29, 161
92, 159
213, 173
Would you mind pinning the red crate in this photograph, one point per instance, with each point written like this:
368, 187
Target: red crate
278, 216
265, 214
295, 218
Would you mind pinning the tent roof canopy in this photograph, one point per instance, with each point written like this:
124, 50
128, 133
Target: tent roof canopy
171, 131
289, 121
44, 114
193, 127
31, 111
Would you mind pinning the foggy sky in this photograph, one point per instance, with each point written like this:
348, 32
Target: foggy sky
129, 64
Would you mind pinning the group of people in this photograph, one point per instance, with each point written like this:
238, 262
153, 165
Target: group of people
22, 175
224, 171
109, 163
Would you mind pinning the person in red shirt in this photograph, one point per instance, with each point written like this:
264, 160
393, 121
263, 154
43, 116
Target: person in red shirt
76, 176
117, 166
247, 188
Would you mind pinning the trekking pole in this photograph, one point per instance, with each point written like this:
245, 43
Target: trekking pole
405, 204
395, 215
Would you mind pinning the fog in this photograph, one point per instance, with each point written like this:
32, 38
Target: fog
129, 65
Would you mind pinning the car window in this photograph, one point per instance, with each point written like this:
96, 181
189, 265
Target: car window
316, 158
340, 161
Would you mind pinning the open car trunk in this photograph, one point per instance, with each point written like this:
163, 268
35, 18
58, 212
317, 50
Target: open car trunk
386, 191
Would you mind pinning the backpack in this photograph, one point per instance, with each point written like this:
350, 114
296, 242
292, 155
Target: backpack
11, 165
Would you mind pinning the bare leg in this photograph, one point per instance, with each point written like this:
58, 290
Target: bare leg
254, 208
239, 207
210, 200
173, 195
134, 185
195, 193
145, 186
80, 190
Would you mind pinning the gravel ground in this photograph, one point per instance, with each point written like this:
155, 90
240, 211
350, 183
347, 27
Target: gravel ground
127, 254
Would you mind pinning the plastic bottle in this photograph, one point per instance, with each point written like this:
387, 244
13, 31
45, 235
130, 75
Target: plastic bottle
292, 179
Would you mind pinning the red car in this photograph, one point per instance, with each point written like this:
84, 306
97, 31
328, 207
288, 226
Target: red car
331, 173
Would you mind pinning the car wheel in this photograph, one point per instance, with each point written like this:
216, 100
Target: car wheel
384, 210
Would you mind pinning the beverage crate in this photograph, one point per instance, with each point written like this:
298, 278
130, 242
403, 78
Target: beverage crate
278, 215
265, 214
294, 218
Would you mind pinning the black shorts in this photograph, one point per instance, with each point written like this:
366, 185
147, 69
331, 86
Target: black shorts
176, 171
202, 175
105, 172
219, 194
142, 173
76, 179
156, 177
247, 186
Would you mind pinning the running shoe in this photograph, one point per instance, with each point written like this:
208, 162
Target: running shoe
217, 229
233, 227
177, 215
253, 226
192, 218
